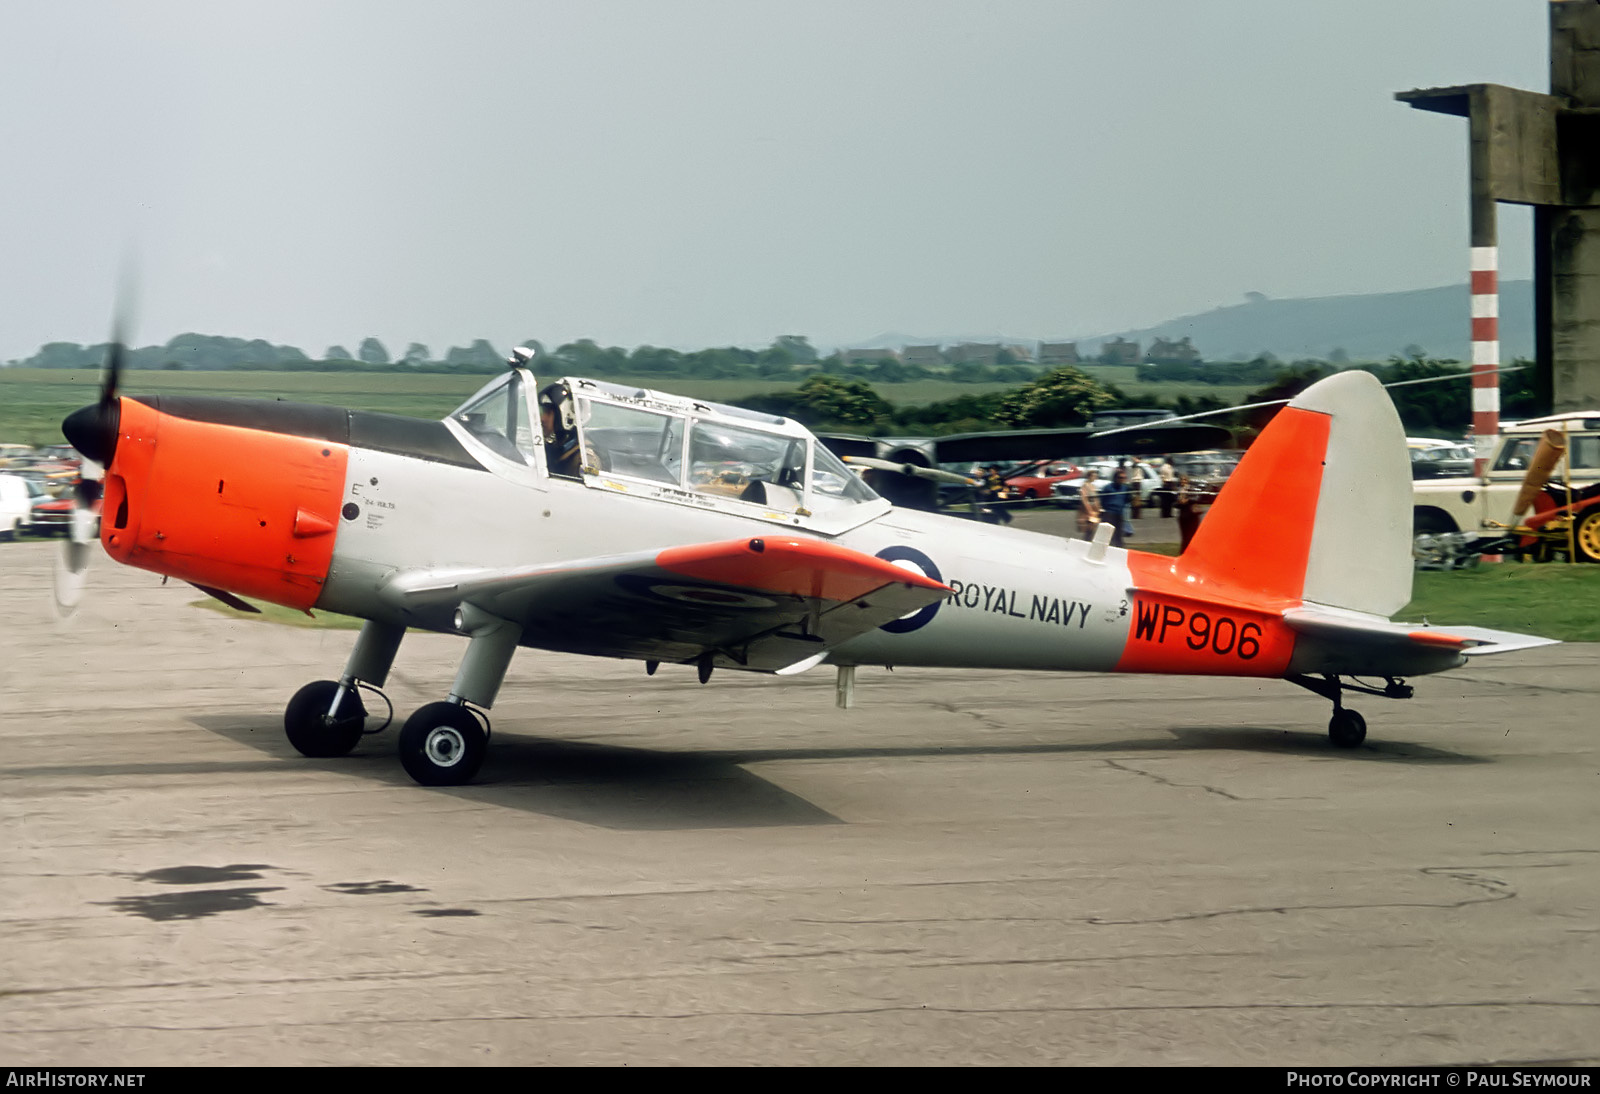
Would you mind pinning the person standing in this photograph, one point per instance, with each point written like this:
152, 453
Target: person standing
1088, 505
995, 491
1191, 496
1115, 501
1168, 490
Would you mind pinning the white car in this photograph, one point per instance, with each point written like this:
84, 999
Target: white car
1143, 475
1468, 504
16, 506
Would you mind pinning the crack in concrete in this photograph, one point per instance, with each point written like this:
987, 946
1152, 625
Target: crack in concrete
1496, 889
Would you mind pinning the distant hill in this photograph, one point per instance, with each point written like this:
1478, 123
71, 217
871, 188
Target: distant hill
1367, 327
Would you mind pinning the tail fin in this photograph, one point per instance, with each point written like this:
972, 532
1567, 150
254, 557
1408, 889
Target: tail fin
1319, 509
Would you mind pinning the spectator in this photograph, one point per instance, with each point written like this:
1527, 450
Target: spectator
1088, 505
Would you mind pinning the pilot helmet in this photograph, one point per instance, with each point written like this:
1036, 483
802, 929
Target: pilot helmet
559, 403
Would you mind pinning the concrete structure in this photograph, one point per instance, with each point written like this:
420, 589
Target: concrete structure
1544, 151
929, 357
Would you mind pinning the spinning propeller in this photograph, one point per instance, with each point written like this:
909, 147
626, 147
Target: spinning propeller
92, 430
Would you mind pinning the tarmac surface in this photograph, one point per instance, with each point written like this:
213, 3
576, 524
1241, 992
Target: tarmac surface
967, 868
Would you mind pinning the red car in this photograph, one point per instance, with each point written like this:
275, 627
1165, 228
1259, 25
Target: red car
49, 514
1038, 480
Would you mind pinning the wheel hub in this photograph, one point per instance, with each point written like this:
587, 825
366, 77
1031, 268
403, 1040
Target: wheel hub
445, 746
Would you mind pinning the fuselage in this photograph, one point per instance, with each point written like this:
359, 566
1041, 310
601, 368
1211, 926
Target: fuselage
316, 507
326, 521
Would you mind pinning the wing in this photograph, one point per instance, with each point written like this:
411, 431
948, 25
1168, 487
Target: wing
761, 604
1061, 444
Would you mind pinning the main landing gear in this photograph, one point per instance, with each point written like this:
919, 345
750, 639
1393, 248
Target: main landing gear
442, 744
1347, 729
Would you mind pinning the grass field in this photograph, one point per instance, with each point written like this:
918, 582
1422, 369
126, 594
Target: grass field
33, 401
1554, 600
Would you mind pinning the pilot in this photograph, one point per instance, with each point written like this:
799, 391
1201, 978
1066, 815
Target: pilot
560, 438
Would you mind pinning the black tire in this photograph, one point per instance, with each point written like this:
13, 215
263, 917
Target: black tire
1586, 535
310, 733
1347, 729
1426, 521
442, 744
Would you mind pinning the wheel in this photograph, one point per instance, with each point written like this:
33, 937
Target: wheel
305, 720
1427, 521
442, 745
1586, 536
1347, 729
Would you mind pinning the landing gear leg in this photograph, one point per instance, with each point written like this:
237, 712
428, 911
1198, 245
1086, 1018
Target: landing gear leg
443, 744
1347, 729
326, 717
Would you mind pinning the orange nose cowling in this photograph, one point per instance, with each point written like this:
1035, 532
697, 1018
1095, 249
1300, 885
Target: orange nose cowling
245, 510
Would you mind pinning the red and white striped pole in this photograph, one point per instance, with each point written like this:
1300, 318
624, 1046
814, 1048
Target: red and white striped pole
1485, 353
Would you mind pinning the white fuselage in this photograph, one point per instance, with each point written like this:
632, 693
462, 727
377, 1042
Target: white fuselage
1021, 600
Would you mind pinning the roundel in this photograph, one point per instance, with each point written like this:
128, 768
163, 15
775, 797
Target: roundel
715, 598
909, 558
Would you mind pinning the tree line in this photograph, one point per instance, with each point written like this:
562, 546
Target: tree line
1067, 397
838, 394
787, 355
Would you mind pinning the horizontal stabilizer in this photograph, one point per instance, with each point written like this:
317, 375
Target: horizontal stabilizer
1357, 643
1486, 640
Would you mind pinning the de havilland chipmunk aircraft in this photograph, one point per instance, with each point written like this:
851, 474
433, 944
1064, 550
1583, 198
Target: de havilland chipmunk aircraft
591, 518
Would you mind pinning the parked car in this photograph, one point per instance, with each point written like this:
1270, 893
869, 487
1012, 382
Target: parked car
1479, 506
1212, 466
16, 506
1036, 481
47, 513
1433, 459
1143, 475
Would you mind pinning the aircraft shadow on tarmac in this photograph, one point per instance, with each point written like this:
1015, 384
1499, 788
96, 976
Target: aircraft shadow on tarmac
610, 786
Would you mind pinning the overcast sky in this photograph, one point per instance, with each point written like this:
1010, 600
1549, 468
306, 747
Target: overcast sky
693, 172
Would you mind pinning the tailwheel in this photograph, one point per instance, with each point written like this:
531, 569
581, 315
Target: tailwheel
1347, 729
311, 728
443, 744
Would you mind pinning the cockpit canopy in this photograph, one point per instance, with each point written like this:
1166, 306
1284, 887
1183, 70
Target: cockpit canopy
687, 451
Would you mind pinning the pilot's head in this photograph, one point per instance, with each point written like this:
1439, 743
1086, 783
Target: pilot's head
555, 412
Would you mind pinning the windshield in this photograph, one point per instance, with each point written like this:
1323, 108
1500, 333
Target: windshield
783, 471
832, 480
498, 417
